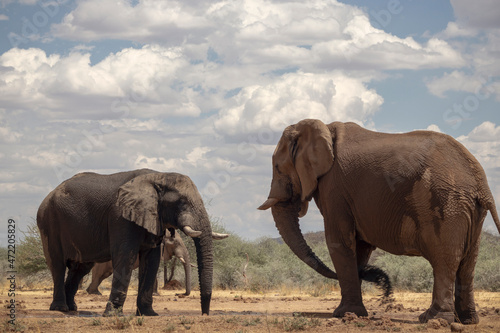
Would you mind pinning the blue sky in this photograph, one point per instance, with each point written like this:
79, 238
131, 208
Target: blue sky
206, 87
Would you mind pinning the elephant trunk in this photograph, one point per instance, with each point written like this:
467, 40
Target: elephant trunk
286, 217
204, 255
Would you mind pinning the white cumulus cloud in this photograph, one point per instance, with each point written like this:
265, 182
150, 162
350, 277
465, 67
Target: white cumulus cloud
296, 96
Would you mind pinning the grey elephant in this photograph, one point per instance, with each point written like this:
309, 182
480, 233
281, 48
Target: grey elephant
172, 247
418, 194
93, 218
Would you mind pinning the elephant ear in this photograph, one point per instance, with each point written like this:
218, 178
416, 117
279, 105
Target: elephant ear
138, 202
312, 154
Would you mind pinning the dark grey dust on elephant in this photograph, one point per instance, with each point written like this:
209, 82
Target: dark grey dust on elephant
93, 218
418, 194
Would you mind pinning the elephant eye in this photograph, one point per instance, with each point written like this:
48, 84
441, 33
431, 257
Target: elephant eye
277, 168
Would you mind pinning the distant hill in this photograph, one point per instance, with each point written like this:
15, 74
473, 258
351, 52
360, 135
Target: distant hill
311, 238
318, 238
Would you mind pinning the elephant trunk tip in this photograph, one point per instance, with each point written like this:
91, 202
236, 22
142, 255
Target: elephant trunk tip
205, 304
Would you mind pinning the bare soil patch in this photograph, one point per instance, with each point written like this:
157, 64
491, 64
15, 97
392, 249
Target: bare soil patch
239, 311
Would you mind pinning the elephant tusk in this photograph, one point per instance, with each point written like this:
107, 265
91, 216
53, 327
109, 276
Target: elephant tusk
190, 232
217, 236
184, 262
268, 204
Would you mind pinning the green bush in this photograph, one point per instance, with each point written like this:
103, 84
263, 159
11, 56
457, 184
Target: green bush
415, 273
488, 263
407, 273
272, 265
29, 253
4, 264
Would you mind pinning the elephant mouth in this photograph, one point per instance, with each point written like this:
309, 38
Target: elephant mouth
271, 202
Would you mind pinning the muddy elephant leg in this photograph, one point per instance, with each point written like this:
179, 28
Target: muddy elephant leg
465, 305
76, 273
350, 285
343, 253
149, 261
119, 288
442, 294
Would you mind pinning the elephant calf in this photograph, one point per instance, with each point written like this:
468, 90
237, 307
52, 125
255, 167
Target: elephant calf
121, 217
419, 194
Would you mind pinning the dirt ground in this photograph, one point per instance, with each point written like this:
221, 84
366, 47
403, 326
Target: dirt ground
238, 311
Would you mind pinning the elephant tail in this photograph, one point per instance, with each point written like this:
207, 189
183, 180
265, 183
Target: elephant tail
487, 202
379, 277
493, 210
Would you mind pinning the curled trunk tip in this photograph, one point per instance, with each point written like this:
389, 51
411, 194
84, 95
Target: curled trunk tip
286, 217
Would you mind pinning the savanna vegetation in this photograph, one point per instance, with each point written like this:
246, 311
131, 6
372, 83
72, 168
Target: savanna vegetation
268, 264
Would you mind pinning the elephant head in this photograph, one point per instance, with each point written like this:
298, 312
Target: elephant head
158, 201
303, 154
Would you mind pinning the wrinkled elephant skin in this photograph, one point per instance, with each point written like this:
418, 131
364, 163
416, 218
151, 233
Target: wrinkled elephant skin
172, 247
419, 194
93, 218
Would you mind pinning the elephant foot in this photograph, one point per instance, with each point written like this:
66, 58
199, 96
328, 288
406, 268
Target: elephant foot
359, 310
146, 312
111, 311
59, 306
434, 314
93, 292
182, 295
72, 307
468, 318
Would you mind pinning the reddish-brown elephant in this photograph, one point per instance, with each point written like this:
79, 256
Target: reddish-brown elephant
419, 194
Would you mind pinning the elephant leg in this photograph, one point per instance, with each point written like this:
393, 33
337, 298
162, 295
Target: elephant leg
97, 279
465, 305
345, 260
58, 270
76, 272
173, 262
149, 261
165, 273
187, 276
122, 272
155, 288
93, 287
442, 294
363, 253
